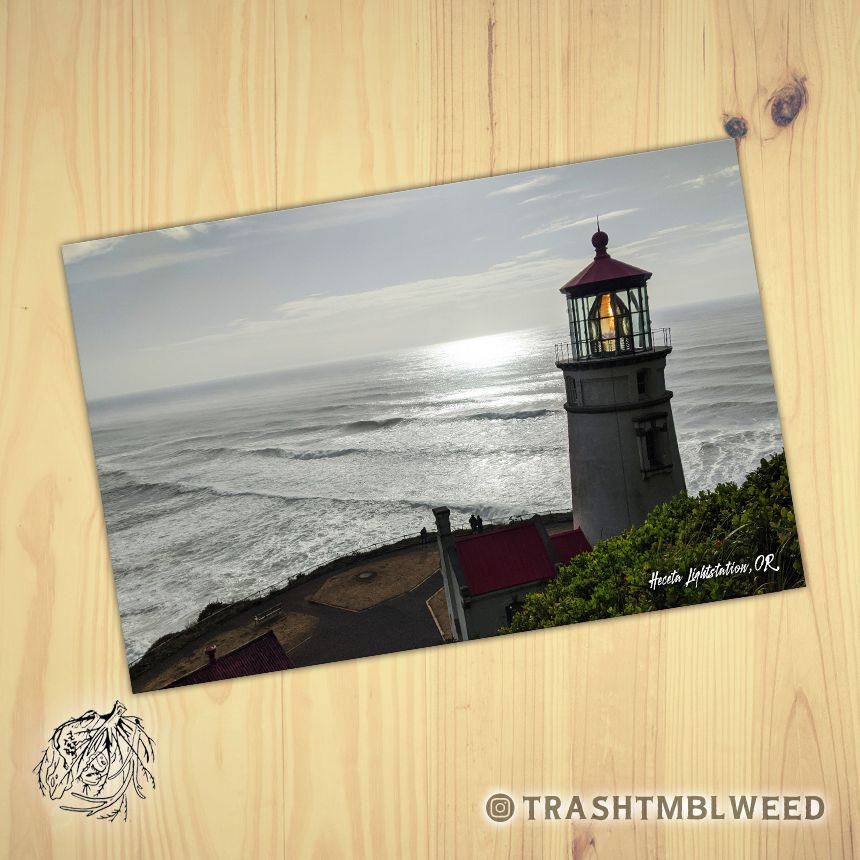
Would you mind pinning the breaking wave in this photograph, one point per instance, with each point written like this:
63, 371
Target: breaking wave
511, 416
304, 455
377, 424
124, 484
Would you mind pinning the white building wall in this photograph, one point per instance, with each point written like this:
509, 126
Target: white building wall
486, 613
453, 598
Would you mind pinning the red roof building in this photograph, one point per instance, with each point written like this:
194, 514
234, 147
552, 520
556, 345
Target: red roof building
487, 575
261, 655
569, 544
508, 557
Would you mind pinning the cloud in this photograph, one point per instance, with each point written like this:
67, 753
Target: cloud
550, 195
186, 232
658, 237
322, 216
617, 189
80, 251
728, 245
703, 179
698, 240
146, 252
518, 187
568, 223
135, 265
529, 255
509, 286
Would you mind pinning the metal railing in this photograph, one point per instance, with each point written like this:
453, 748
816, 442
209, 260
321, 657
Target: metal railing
589, 350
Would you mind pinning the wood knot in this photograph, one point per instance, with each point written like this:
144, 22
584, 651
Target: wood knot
787, 102
736, 127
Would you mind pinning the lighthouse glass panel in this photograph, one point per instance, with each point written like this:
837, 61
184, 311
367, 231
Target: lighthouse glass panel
609, 328
610, 323
577, 311
635, 305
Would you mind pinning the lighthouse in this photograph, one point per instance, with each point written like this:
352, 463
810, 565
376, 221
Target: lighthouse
624, 457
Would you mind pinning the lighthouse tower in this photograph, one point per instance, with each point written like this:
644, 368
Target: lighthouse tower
624, 456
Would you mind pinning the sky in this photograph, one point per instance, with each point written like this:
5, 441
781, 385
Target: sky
357, 277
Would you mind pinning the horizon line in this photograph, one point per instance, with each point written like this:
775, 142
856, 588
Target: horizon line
256, 374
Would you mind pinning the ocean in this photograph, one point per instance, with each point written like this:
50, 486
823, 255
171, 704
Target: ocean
220, 490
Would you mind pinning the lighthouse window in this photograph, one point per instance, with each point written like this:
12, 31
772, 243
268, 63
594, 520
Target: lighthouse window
652, 435
642, 382
652, 448
572, 391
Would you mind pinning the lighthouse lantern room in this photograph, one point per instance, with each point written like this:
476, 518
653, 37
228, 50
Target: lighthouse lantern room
624, 457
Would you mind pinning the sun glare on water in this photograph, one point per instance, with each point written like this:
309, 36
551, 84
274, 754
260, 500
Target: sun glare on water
476, 353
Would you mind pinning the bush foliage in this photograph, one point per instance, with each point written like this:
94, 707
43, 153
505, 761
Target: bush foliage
730, 523
210, 609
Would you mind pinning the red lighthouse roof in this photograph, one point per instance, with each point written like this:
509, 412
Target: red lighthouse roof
602, 269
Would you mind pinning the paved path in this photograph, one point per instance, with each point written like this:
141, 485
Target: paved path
399, 624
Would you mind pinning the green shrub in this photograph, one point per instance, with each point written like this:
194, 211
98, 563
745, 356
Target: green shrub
729, 524
210, 609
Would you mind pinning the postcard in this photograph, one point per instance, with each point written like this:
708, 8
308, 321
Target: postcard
432, 416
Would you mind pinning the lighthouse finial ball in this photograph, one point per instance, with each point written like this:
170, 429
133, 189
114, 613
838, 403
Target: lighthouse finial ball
600, 240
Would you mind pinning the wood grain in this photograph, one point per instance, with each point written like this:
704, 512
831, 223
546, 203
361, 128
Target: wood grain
123, 115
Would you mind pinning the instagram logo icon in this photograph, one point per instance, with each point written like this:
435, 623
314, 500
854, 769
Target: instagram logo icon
500, 807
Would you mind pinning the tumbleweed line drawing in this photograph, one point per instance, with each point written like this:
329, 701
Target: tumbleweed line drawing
95, 759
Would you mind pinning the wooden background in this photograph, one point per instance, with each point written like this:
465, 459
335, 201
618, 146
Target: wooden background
119, 116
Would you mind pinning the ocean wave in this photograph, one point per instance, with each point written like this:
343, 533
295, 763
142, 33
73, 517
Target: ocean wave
710, 458
121, 485
271, 451
117, 483
491, 511
302, 455
720, 347
509, 416
271, 431
751, 407
371, 424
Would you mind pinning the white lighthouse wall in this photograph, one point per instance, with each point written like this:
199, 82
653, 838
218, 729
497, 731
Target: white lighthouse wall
610, 491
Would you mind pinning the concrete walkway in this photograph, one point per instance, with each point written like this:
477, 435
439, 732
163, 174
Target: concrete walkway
399, 624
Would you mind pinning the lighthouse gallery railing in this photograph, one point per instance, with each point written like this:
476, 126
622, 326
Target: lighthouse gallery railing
565, 352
